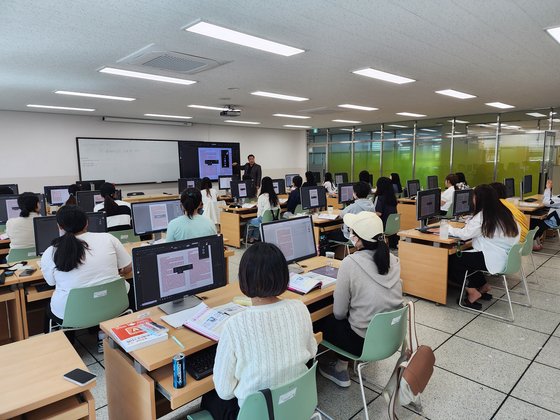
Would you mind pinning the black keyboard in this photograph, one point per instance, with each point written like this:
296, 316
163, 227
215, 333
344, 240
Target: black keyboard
201, 364
530, 200
43, 287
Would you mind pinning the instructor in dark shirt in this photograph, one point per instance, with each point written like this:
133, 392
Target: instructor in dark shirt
253, 170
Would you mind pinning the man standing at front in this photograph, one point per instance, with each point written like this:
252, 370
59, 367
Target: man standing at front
253, 170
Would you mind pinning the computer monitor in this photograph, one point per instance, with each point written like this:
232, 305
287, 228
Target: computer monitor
510, 187
294, 237
90, 185
462, 202
413, 187
279, 186
340, 177
56, 195
46, 229
87, 200
428, 203
317, 176
9, 207
345, 193
184, 183
224, 182
527, 185
154, 216
314, 197
13, 187
432, 182
290, 179
164, 274
243, 189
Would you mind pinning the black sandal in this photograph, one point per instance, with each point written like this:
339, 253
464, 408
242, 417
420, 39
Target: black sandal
486, 296
474, 305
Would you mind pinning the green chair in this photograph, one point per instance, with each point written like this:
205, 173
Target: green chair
385, 335
125, 236
267, 216
88, 306
299, 209
296, 400
513, 266
2, 229
393, 225
527, 249
449, 214
22, 254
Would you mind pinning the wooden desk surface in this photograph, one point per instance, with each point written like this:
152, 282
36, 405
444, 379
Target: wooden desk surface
406, 200
31, 373
431, 237
320, 222
153, 197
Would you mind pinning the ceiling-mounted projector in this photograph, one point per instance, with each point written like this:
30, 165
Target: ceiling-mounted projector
231, 111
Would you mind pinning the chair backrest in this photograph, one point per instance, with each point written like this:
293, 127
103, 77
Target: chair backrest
295, 400
270, 215
385, 334
88, 306
125, 236
393, 224
527, 246
449, 213
299, 209
22, 254
513, 264
2, 228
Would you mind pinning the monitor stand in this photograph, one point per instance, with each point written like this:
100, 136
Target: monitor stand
178, 305
157, 237
423, 226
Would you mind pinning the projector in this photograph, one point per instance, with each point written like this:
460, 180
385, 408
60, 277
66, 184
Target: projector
230, 113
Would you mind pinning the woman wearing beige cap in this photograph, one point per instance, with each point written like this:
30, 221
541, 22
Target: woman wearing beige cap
368, 282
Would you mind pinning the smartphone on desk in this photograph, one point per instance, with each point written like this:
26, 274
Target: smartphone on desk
27, 272
79, 377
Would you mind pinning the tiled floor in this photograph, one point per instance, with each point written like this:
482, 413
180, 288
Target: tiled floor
485, 368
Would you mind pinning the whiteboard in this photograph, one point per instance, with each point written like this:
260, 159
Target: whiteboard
125, 161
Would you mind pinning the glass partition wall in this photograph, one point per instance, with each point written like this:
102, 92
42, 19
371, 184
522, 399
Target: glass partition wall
486, 148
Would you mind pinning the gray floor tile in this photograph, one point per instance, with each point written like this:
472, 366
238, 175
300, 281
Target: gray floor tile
440, 317
504, 336
557, 332
531, 318
85, 355
517, 409
378, 372
552, 263
89, 341
378, 410
482, 364
539, 386
100, 390
542, 300
550, 354
544, 283
430, 337
102, 413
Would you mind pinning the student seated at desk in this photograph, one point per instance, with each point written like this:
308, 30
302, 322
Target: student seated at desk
493, 231
309, 180
385, 205
20, 229
517, 214
80, 259
72, 190
329, 184
118, 212
266, 345
396, 180
209, 199
461, 181
268, 200
552, 220
368, 282
294, 199
451, 182
191, 224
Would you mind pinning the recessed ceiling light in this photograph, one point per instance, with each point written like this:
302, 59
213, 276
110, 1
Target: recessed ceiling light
455, 94
381, 75
347, 121
61, 107
554, 33
215, 108
178, 117
536, 114
242, 122
279, 96
94, 95
358, 107
459, 121
301, 117
397, 126
147, 76
500, 105
410, 114
296, 126
239, 38
429, 130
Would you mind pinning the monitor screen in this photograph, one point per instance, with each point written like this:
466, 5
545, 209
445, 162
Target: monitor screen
290, 179
462, 202
428, 203
9, 207
167, 272
184, 183
340, 177
510, 187
87, 200
527, 184
345, 193
413, 186
154, 216
243, 189
56, 195
12, 187
432, 182
279, 186
294, 237
313, 197
215, 161
223, 182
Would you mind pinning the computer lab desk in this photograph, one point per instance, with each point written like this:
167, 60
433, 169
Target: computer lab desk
406, 207
133, 378
152, 197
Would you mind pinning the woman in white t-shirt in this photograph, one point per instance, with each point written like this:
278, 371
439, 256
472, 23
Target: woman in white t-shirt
209, 199
268, 200
20, 229
329, 184
451, 181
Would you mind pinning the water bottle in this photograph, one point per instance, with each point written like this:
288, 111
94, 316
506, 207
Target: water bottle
444, 229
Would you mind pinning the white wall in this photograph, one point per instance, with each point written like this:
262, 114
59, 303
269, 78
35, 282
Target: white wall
39, 149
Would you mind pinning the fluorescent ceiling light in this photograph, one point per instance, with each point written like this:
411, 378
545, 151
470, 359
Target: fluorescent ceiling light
301, 117
554, 33
239, 38
215, 108
242, 122
536, 114
350, 129
146, 121
297, 126
347, 121
500, 105
147, 76
358, 107
177, 117
397, 126
455, 94
279, 96
429, 130
94, 95
459, 121
410, 114
381, 75
61, 107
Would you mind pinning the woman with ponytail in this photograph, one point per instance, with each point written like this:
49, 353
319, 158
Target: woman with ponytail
368, 282
20, 229
191, 224
118, 212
